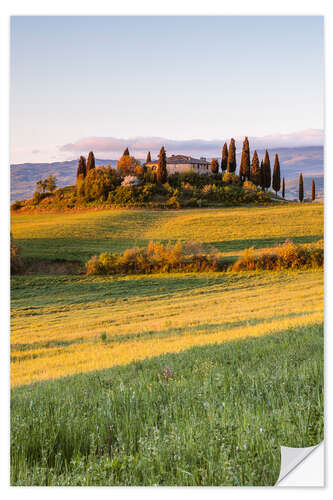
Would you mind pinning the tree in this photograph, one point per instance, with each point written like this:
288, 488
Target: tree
81, 169
313, 197
276, 184
224, 162
127, 165
162, 173
262, 175
90, 162
255, 169
300, 188
267, 170
41, 186
51, 183
245, 164
231, 164
148, 160
126, 152
283, 188
214, 166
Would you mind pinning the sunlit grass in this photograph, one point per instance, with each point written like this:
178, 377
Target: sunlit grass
147, 316
78, 236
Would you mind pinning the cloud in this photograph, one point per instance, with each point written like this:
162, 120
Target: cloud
35, 151
141, 145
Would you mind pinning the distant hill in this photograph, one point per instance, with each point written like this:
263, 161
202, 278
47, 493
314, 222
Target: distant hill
309, 161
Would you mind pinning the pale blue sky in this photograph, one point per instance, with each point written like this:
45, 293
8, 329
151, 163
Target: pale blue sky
173, 77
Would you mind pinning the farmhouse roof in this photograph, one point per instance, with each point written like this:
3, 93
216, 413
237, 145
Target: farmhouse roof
176, 159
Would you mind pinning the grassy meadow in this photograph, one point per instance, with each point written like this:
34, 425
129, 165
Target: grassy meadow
183, 378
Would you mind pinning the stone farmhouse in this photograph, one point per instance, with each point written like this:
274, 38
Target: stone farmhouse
182, 163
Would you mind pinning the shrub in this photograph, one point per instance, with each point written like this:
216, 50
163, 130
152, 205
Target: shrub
16, 205
231, 178
156, 257
286, 256
250, 185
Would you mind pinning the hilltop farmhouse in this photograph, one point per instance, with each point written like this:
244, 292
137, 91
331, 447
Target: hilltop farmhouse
182, 163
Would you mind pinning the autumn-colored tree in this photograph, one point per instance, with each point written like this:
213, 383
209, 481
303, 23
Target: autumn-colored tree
81, 168
224, 161
283, 188
276, 184
214, 166
245, 164
267, 170
51, 183
300, 188
255, 169
231, 165
313, 197
90, 162
161, 172
127, 165
148, 160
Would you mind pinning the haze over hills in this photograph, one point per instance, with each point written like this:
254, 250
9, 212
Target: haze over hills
308, 160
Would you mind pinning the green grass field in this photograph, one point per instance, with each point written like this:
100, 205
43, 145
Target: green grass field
78, 236
171, 379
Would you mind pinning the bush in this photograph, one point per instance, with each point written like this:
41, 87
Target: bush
286, 256
231, 178
16, 205
156, 257
250, 185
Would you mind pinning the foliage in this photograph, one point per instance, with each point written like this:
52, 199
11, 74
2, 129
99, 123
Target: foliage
255, 169
161, 172
249, 185
148, 159
214, 166
224, 159
231, 178
276, 184
231, 165
81, 169
90, 162
127, 164
286, 256
267, 171
245, 166
300, 188
156, 257
283, 188
313, 191
16, 205
51, 183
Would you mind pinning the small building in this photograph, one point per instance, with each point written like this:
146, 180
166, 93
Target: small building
182, 163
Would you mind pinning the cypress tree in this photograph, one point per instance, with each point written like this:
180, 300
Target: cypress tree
313, 197
267, 170
255, 169
231, 164
224, 162
81, 168
214, 166
90, 162
245, 164
276, 185
300, 188
162, 173
126, 152
262, 176
148, 160
283, 188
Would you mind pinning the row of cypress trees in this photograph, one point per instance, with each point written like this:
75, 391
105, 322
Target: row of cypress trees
84, 166
301, 189
258, 173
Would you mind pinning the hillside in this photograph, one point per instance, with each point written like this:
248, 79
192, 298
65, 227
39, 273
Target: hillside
307, 160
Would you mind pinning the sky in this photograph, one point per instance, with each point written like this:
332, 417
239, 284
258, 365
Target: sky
101, 83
